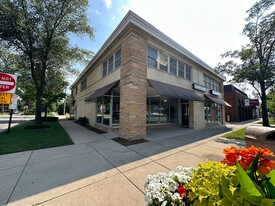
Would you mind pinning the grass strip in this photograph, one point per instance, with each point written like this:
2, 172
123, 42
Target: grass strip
20, 139
238, 134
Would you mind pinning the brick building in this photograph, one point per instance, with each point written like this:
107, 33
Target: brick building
140, 78
242, 108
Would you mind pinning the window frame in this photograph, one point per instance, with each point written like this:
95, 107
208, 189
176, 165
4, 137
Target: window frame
211, 83
176, 67
154, 59
111, 63
151, 57
83, 84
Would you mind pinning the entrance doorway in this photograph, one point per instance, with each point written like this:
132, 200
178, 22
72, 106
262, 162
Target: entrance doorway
185, 114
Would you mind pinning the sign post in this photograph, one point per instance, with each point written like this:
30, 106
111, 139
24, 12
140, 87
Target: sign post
12, 106
7, 88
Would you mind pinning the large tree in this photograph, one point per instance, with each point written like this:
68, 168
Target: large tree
255, 62
38, 31
271, 101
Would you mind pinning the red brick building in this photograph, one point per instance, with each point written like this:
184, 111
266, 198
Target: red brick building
242, 108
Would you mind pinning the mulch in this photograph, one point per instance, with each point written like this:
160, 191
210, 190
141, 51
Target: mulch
125, 142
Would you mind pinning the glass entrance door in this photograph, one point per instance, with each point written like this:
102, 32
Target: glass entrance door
185, 114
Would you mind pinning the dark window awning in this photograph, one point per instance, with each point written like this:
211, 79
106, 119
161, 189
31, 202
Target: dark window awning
168, 90
100, 92
218, 101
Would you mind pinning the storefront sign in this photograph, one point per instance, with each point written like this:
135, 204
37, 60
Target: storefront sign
5, 98
215, 92
199, 87
254, 102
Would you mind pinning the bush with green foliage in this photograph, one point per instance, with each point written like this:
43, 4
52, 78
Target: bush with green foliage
205, 185
29, 112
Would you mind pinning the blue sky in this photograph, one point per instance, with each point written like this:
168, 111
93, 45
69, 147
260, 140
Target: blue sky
207, 28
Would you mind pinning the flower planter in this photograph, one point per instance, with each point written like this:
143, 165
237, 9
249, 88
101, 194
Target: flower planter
246, 176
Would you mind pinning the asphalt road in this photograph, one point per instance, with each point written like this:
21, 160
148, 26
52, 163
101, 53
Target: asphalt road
16, 119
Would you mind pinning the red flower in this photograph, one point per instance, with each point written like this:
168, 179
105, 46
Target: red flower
265, 153
266, 166
245, 157
182, 191
230, 156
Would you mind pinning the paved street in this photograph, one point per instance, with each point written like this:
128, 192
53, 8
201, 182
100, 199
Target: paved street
16, 119
99, 171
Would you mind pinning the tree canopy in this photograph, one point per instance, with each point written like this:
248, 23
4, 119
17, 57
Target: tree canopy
254, 63
271, 101
37, 31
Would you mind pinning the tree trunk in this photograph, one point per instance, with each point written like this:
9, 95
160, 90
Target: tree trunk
46, 111
38, 119
264, 106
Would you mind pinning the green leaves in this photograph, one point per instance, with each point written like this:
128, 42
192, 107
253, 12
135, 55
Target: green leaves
246, 183
205, 185
38, 31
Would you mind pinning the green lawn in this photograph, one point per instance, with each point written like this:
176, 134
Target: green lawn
271, 121
20, 139
238, 134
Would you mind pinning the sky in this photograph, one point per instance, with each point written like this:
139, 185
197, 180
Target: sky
207, 28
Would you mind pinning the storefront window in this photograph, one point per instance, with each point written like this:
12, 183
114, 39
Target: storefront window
104, 106
161, 110
99, 109
115, 116
213, 112
106, 110
173, 110
164, 110
154, 110
207, 112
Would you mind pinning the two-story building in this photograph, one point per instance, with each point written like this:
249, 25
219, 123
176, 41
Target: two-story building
140, 78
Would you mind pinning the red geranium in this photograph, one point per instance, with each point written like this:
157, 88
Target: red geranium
182, 191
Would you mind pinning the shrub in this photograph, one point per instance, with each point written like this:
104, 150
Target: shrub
204, 187
29, 112
82, 121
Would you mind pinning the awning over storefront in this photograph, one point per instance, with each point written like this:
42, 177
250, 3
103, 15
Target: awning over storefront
168, 90
218, 101
101, 91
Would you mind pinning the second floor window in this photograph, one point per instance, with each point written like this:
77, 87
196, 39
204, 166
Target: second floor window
83, 84
159, 60
112, 63
152, 55
211, 83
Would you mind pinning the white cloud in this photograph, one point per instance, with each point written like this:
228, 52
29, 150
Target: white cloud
97, 12
108, 3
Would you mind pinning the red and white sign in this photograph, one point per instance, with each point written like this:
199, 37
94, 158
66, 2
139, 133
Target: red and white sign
7, 83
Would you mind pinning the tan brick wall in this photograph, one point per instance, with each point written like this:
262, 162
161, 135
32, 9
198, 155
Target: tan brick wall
133, 86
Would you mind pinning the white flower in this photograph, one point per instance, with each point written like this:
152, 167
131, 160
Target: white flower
164, 203
162, 187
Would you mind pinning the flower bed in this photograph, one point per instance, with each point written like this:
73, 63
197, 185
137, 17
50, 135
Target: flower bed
246, 176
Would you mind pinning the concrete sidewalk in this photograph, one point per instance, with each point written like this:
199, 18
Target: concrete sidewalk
98, 171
